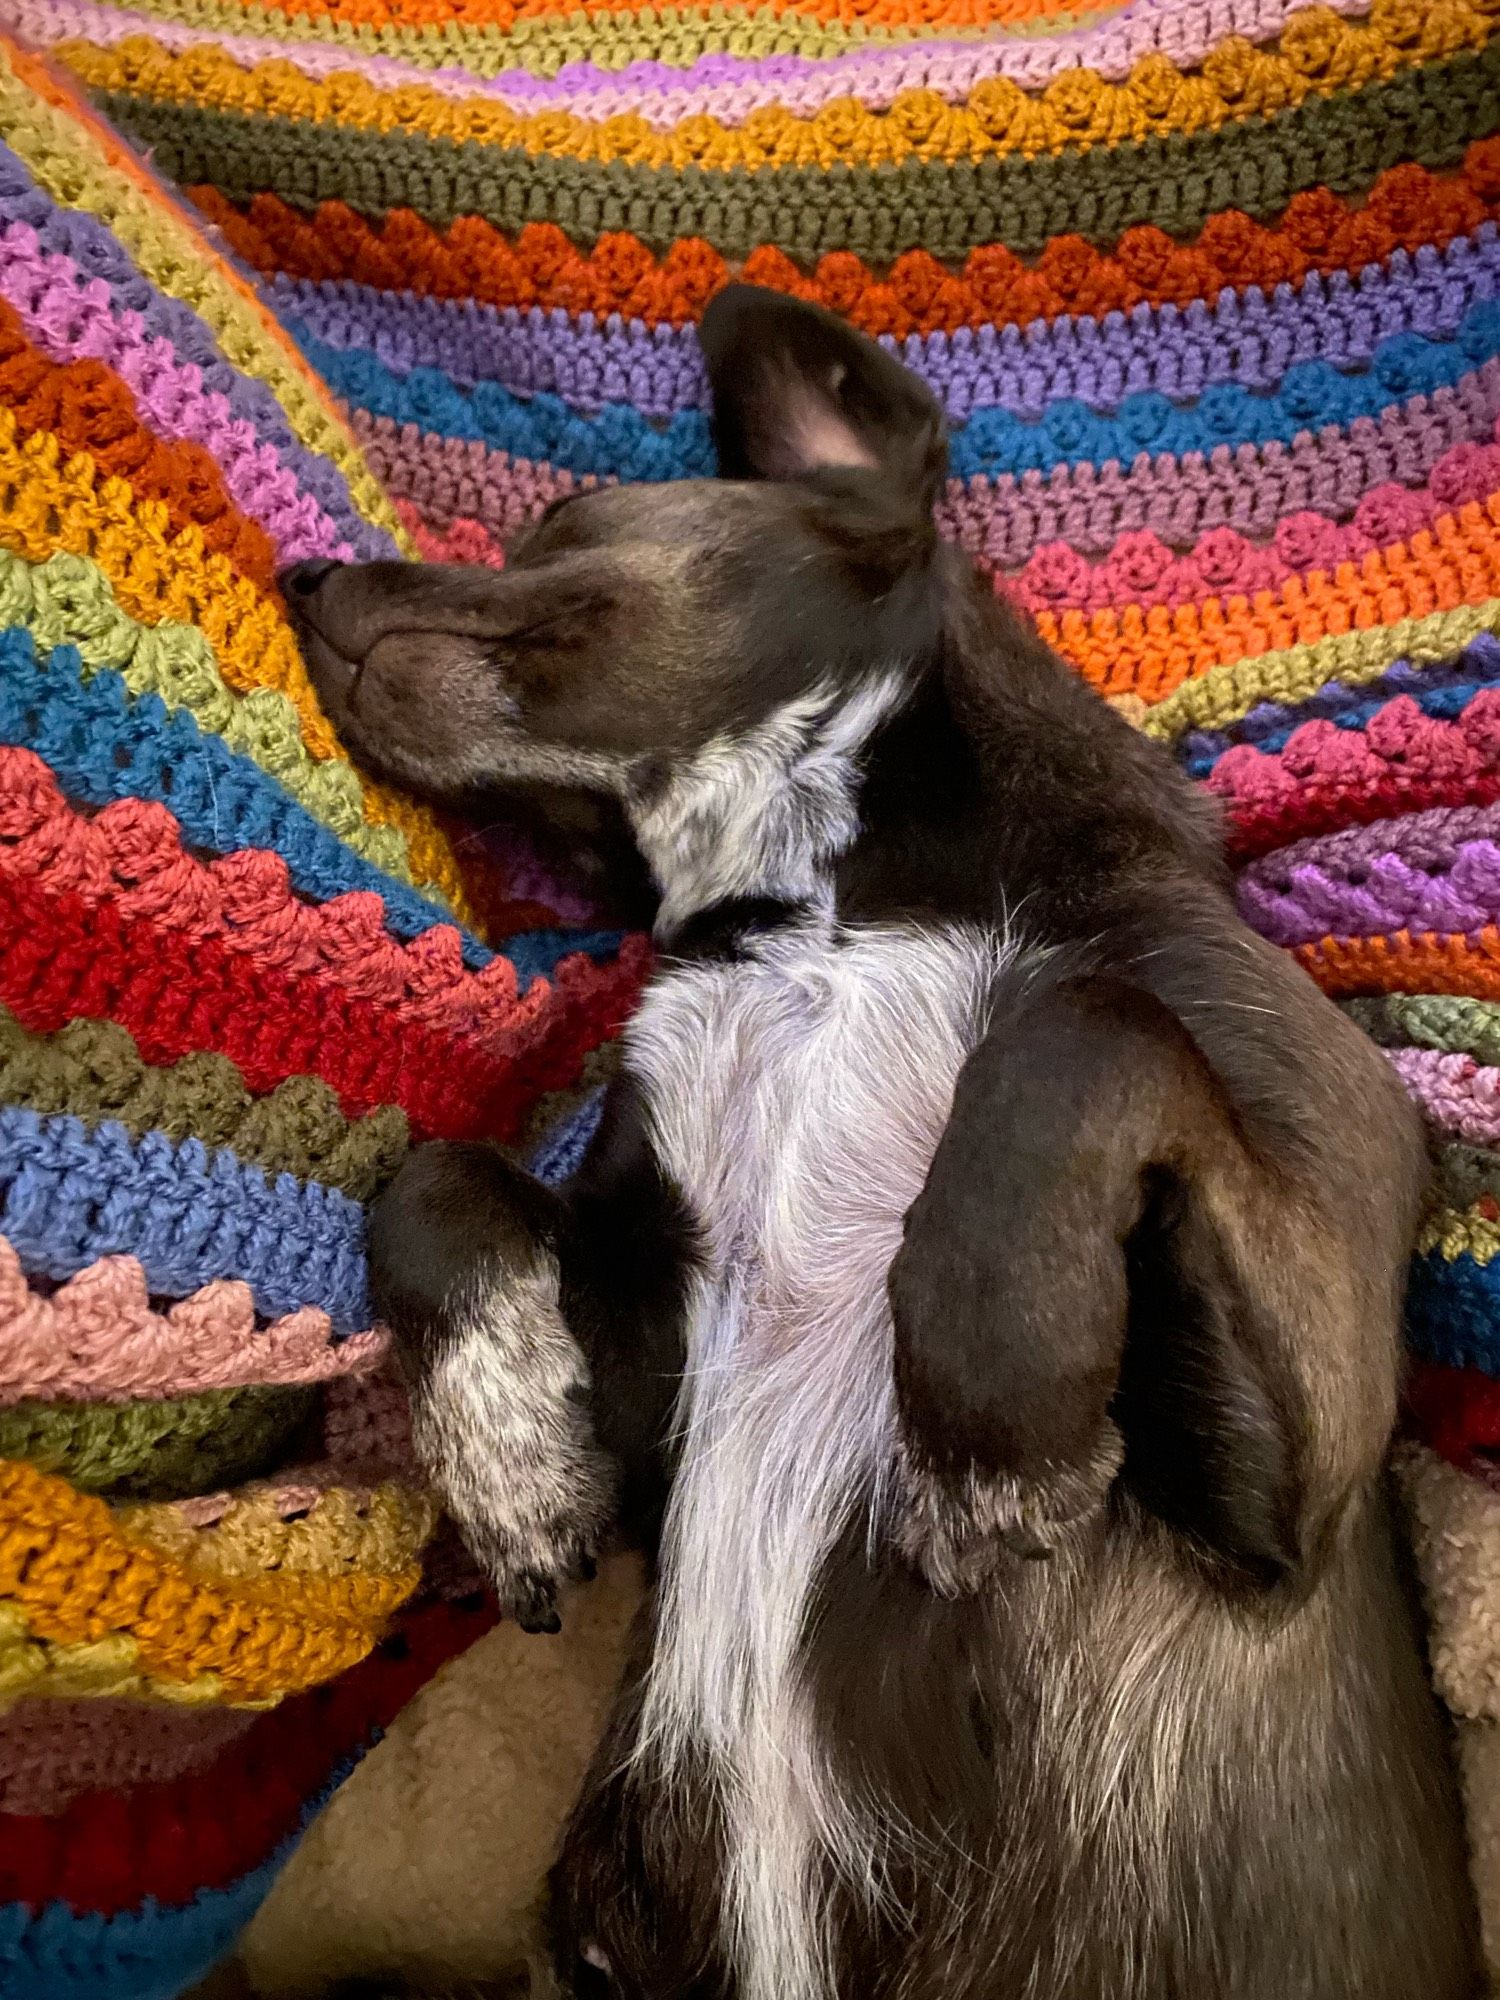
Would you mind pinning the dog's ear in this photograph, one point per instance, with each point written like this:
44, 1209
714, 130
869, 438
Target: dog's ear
1102, 1290
796, 392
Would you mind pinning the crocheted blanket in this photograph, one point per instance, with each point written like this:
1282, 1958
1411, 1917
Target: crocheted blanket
236, 978
1210, 290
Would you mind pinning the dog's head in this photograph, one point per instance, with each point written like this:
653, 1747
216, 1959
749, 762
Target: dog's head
642, 638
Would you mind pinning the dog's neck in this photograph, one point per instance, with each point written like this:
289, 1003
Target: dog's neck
764, 817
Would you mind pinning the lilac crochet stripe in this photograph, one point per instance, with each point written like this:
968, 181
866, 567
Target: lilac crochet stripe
71, 317
1436, 871
1250, 338
730, 88
79, 292
1002, 522
1458, 1095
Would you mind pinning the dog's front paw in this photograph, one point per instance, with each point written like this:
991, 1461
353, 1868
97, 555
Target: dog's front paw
500, 1421
464, 1269
960, 1532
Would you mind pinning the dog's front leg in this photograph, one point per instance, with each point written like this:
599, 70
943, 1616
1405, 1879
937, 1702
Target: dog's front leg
540, 1336
1114, 1285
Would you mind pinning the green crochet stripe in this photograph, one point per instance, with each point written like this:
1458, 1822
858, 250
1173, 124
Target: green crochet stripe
1463, 1176
158, 1451
1342, 142
1431, 1021
94, 1070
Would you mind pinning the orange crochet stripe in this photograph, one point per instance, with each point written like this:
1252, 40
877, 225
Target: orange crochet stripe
77, 1580
87, 408
1430, 962
508, 14
1407, 207
1149, 652
1319, 55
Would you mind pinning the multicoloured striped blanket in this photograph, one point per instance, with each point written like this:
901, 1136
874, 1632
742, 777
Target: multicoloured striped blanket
1211, 292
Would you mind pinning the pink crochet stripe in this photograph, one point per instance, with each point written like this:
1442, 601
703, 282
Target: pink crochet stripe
1460, 1096
1223, 563
1248, 488
131, 854
1324, 777
1447, 440
464, 541
1140, 568
1435, 871
730, 90
70, 317
96, 1339
51, 1751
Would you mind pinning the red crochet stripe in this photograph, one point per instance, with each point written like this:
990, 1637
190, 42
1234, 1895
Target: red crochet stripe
1324, 777
60, 958
109, 1851
1454, 1410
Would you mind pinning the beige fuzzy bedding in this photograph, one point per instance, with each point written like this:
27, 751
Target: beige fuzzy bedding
430, 1862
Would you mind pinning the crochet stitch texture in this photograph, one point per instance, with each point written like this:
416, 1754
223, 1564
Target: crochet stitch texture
1210, 290
237, 980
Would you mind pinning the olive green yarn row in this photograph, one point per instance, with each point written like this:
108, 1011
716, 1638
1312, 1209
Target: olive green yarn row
166, 1450
93, 1070
1342, 142
1447, 1021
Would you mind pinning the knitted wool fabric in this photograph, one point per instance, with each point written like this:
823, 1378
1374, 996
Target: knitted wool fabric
236, 980
1210, 290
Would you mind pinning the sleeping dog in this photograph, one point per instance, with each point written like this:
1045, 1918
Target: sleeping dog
982, 1292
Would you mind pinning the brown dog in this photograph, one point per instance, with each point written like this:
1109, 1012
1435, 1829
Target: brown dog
986, 1277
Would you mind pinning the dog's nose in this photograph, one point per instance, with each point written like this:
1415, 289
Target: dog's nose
301, 579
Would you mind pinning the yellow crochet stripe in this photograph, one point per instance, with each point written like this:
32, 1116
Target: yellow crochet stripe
81, 167
1461, 1232
84, 1609
35, 1668
545, 43
51, 505
1318, 55
1226, 694
346, 1532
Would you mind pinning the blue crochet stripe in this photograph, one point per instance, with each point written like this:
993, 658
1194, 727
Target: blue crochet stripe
1443, 690
149, 1953
104, 743
560, 1152
619, 442
1453, 1312
71, 1193
1251, 337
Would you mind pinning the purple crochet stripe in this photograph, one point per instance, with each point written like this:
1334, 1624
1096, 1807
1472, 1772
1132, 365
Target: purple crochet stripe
1002, 522
299, 496
1251, 338
727, 87
71, 317
1435, 871
1456, 1094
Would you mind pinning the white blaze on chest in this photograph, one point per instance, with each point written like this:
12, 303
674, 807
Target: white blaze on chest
797, 1099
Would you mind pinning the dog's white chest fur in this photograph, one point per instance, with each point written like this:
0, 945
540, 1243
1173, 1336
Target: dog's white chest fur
797, 1099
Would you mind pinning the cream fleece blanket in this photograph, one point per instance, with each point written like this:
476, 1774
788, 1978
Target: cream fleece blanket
431, 1860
